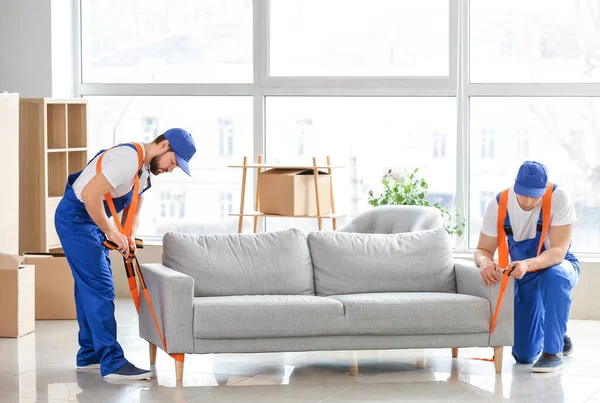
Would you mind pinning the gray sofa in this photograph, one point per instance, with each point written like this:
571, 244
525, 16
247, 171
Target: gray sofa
358, 288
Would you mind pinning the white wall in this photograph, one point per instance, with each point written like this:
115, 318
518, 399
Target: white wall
36, 47
63, 50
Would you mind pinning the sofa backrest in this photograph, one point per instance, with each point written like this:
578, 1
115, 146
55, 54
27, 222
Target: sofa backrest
242, 264
350, 263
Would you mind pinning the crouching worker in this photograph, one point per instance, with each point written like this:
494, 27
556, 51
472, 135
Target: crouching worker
515, 222
115, 180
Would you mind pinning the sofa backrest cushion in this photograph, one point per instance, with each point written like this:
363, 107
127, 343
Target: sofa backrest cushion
275, 263
351, 263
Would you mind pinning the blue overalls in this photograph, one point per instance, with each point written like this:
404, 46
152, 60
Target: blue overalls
542, 299
82, 241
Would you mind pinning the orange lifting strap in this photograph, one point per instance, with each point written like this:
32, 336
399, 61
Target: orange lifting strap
503, 245
131, 268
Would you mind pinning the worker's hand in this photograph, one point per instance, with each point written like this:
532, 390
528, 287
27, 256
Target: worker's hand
120, 240
520, 268
132, 249
490, 273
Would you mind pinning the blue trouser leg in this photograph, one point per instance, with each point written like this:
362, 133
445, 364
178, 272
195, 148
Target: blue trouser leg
556, 283
87, 354
529, 319
90, 265
542, 303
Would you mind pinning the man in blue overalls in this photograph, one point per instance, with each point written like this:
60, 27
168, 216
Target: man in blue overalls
83, 223
545, 271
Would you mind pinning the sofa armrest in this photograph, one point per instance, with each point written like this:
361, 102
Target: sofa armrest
468, 281
172, 295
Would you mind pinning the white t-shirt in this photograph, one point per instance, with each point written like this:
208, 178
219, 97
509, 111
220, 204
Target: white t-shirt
119, 166
524, 223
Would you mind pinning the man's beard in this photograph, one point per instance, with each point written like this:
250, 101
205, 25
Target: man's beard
154, 163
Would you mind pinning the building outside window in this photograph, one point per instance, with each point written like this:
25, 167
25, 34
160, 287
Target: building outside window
225, 129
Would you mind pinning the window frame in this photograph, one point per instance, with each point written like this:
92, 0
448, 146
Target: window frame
455, 85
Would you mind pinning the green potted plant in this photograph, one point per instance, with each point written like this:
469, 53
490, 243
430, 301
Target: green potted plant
410, 190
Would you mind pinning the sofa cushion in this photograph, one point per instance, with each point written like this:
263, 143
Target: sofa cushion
414, 313
242, 264
240, 317
351, 263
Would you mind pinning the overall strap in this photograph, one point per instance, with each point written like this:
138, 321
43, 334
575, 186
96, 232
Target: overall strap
546, 207
502, 243
125, 230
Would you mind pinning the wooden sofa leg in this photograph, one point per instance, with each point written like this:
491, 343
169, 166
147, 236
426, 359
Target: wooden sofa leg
353, 369
179, 370
454, 352
421, 360
498, 358
152, 354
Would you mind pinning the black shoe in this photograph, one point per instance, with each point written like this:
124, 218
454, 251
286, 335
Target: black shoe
568, 347
129, 371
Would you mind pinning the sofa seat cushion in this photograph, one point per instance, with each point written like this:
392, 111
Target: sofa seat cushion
414, 313
238, 317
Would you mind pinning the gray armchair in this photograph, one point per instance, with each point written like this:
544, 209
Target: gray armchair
395, 220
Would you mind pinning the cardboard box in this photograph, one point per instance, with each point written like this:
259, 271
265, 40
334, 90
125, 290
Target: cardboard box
17, 295
292, 192
54, 286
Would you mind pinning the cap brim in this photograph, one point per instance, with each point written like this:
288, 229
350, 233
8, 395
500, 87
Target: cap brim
528, 191
183, 164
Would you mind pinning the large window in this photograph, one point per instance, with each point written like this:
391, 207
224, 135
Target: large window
166, 41
564, 131
359, 38
534, 41
464, 90
369, 135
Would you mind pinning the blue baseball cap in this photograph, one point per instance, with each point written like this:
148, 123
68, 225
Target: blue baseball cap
183, 145
532, 179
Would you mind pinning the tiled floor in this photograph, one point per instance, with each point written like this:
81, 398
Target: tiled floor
40, 367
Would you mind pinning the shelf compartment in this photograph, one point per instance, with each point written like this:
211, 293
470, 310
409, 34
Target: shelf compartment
57, 126
77, 128
77, 161
57, 173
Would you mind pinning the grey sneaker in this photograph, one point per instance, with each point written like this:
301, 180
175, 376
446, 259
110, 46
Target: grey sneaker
568, 347
547, 363
129, 371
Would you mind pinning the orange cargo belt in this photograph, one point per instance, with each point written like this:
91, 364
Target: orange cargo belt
131, 268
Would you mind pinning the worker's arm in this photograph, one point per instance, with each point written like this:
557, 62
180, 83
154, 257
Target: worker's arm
560, 238
484, 259
93, 197
136, 218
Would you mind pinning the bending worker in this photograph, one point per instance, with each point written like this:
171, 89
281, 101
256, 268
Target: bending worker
545, 272
117, 176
